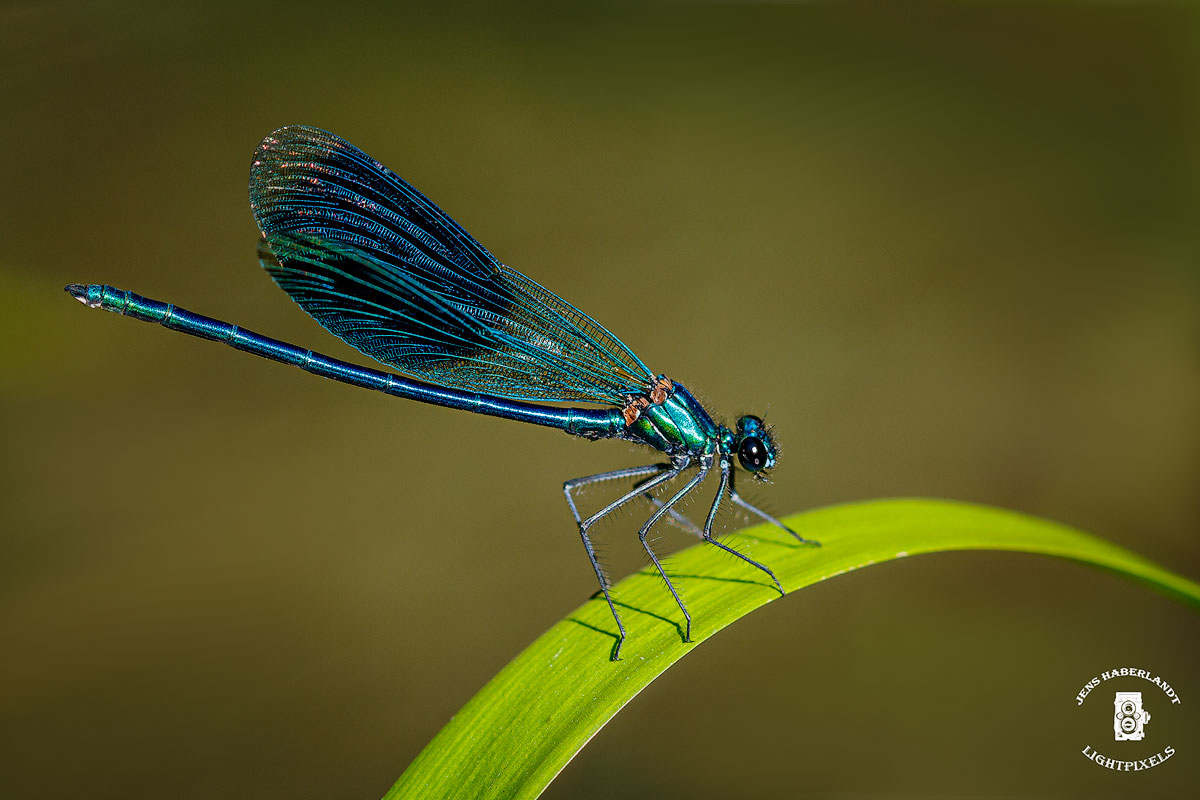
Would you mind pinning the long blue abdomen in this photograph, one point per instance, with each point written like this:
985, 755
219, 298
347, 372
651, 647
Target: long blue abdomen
589, 423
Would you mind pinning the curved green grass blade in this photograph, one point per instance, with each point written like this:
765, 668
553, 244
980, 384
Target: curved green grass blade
514, 736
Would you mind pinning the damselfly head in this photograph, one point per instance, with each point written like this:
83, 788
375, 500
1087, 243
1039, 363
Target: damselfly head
755, 449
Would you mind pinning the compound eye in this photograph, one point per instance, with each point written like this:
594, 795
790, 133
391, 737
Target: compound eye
752, 453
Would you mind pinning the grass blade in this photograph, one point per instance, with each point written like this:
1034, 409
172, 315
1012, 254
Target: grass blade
514, 736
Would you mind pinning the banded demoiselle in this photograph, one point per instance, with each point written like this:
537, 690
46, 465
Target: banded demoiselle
387, 271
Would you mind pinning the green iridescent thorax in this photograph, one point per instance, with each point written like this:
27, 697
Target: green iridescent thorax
679, 425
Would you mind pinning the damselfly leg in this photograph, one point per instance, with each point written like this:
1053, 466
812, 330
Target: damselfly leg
705, 465
676, 517
653, 476
705, 533
738, 499
712, 515
616, 474
665, 474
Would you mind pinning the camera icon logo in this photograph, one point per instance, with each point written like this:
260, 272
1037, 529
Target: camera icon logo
1129, 719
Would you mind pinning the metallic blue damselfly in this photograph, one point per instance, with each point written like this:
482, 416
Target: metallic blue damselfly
385, 270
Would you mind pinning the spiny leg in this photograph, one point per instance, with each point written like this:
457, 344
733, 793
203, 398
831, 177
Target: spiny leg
627, 472
663, 476
712, 515
704, 467
678, 518
737, 498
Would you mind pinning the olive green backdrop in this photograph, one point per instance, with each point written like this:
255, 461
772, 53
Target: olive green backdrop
949, 252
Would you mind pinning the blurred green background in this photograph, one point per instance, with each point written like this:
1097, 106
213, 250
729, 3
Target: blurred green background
950, 251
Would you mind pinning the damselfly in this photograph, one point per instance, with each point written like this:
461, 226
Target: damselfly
387, 271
